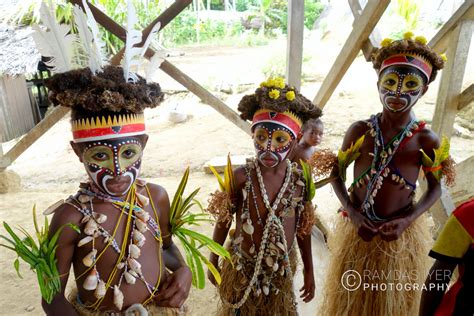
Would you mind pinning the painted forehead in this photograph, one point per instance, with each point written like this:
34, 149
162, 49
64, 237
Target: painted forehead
403, 71
114, 143
271, 127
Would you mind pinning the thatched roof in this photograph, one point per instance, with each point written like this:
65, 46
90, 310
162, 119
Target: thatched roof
18, 53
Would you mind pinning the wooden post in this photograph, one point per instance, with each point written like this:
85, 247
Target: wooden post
466, 97
204, 95
439, 42
370, 45
294, 50
451, 79
36, 132
360, 32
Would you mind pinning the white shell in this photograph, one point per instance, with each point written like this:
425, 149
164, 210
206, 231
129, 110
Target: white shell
134, 265
248, 228
133, 273
144, 216
244, 194
118, 298
85, 219
252, 249
129, 278
51, 209
266, 290
90, 283
88, 260
143, 199
100, 290
134, 251
138, 238
269, 261
300, 183
84, 241
100, 218
90, 228
275, 267
121, 265
141, 225
84, 198
280, 245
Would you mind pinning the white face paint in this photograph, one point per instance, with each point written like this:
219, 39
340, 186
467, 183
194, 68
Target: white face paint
272, 143
400, 87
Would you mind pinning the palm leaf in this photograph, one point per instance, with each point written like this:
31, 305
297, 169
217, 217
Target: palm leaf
219, 179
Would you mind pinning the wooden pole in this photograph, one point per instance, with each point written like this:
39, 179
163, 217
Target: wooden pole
36, 132
439, 42
370, 45
360, 32
466, 97
294, 50
204, 95
451, 80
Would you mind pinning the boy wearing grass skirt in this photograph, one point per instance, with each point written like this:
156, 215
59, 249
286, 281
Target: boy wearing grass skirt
270, 200
381, 238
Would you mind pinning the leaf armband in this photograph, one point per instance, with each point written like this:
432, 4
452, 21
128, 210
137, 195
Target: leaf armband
442, 165
221, 204
345, 158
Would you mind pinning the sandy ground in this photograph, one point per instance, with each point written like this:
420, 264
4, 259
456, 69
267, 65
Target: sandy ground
50, 171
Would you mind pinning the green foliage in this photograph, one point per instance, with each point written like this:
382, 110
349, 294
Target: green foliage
308, 177
40, 256
409, 10
192, 242
312, 11
345, 158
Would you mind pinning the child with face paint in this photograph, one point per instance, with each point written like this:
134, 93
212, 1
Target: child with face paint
270, 209
124, 259
381, 236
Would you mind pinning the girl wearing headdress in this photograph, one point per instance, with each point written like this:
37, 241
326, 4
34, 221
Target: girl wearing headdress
381, 238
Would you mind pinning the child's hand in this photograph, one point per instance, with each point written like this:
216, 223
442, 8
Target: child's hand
393, 229
175, 289
365, 228
308, 287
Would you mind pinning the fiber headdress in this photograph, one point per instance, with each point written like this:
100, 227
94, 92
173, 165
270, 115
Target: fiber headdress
276, 102
106, 101
411, 52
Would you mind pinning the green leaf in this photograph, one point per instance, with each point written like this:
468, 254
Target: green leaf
218, 177
16, 264
179, 193
208, 242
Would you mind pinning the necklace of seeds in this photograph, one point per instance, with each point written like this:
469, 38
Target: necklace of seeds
137, 219
379, 167
270, 221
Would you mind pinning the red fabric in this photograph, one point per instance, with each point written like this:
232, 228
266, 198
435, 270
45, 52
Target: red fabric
446, 308
465, 215
404, 60
421, 126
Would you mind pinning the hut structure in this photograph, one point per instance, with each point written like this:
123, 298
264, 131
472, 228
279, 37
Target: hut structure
19, 111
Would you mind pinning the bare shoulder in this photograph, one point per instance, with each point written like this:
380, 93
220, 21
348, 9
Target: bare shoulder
354, 132
65, 214
158, 192
240, 176
428, 140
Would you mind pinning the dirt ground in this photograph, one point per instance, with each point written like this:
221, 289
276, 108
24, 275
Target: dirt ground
50, 171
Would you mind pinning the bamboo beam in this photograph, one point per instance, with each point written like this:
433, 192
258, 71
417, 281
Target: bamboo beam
34, 134
205, 95
164, 18
294, 50
360, 32
177, 74
439, 42
466, 97
370, 45
451, 80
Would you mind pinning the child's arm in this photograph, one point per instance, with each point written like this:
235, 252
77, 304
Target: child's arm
392, 230
436, 281
304, 243
64, 255
366, 229
221, 229
174, 291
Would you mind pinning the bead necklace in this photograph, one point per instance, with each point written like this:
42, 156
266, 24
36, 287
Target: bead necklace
273, 246
382, 157
137, 224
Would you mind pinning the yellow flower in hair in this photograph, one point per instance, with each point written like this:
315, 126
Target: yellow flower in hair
408, 35
386, 42
263, 84
290, 95
421, 40
443, 57
279, 83
274, 94
270, 83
